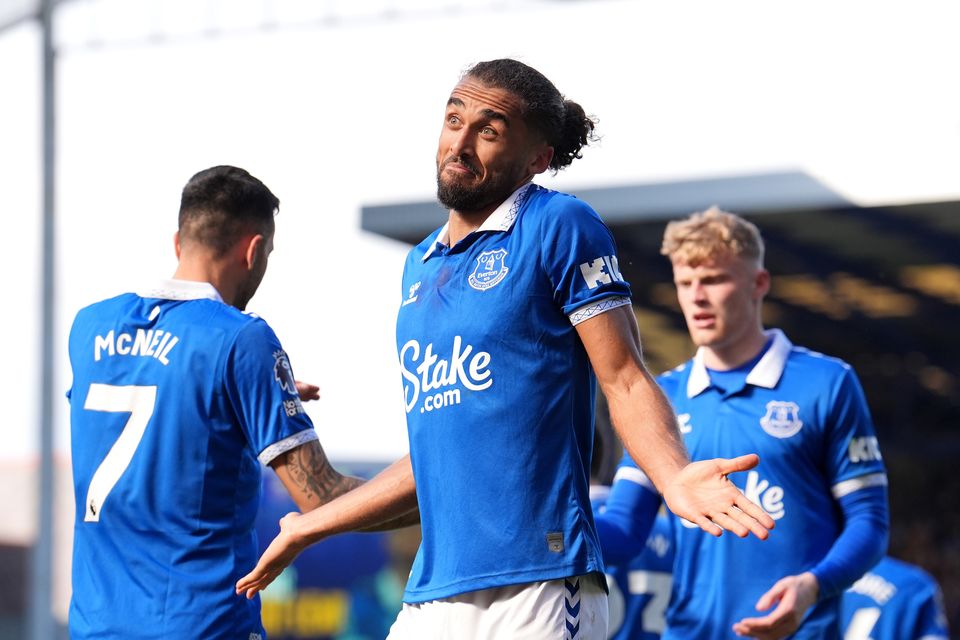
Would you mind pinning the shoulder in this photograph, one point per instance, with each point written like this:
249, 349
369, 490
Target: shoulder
904, 575
557, 208
106, 305
248, 324
818, 368
93, 316
673, 380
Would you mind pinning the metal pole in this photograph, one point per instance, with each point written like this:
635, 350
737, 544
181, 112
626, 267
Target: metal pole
41, 610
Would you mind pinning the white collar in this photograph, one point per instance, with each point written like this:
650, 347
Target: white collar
766, 373
501, 219
181, 290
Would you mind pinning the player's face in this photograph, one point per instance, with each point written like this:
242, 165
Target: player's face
486, 150
720, 300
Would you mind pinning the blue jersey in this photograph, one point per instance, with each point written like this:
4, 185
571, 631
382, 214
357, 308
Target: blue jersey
894, 601
499, 393
175, 396
806, 416
640, 589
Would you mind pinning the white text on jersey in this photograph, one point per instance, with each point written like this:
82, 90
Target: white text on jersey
760, 492
436, 373
864, 449
874, 586
602, 270
154, 343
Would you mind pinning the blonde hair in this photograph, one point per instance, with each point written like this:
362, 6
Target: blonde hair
711, 234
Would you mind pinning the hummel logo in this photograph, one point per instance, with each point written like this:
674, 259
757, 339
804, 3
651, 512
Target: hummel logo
412, 296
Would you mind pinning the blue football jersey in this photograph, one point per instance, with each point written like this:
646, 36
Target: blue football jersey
640, 589
175, 396
499, 393
894, 601
806, 416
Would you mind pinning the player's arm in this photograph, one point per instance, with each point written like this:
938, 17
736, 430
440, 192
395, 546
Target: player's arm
643, 418
390, 496
312, 481
309, 477
860, 545
860, 492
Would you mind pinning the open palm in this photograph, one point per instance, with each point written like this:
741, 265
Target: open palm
702, 494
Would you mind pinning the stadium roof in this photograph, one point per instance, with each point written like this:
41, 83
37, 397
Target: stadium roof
780, 191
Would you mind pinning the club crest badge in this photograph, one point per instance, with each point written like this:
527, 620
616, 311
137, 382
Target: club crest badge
490, 270
782, 419
283, 373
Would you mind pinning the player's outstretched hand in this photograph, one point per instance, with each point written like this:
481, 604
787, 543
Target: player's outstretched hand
307, 391
793, 595
702, 494
280, 553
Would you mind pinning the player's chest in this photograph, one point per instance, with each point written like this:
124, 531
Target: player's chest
777, 425
494, 284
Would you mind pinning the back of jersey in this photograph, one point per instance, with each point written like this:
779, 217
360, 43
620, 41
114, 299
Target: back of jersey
640, 590
166, 483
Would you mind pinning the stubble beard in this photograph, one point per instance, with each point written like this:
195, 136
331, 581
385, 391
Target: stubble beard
459, 197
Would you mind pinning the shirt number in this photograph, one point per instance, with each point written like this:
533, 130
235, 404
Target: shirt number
639, 583
138, 402
862, 623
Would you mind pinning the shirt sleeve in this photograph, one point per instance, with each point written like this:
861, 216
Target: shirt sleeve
854, 459
580, 259
861, 543
261, 387
628, 515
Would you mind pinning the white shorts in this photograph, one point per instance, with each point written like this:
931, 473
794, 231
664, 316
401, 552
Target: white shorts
567, 609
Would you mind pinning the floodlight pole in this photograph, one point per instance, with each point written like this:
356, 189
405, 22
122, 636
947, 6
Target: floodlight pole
41, 592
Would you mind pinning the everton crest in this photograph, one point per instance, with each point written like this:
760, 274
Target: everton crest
782, 419
490, 270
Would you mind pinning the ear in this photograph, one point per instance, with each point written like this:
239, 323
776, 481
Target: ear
761, 283
176, 243
254, 251
541, 161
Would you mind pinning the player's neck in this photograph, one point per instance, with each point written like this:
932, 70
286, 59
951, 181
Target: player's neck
210, 271
731, 356
462, 224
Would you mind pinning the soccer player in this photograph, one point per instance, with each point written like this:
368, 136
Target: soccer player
178, 397
510, 313
894, 601
820, 475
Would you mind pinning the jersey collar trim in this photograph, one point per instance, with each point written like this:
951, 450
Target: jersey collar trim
181, 290
766, 373
501, 219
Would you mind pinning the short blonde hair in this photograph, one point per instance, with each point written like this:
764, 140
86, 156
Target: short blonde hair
710, 234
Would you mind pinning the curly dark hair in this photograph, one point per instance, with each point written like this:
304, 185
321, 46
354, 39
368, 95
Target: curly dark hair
563, 123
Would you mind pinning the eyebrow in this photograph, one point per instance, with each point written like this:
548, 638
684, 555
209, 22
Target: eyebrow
490, 114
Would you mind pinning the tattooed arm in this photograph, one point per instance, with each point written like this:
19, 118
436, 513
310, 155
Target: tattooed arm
312, 481
309, 477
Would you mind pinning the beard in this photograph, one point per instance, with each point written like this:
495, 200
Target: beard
462, 198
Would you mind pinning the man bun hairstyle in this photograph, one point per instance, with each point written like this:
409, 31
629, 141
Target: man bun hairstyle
221, 204
562, 123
